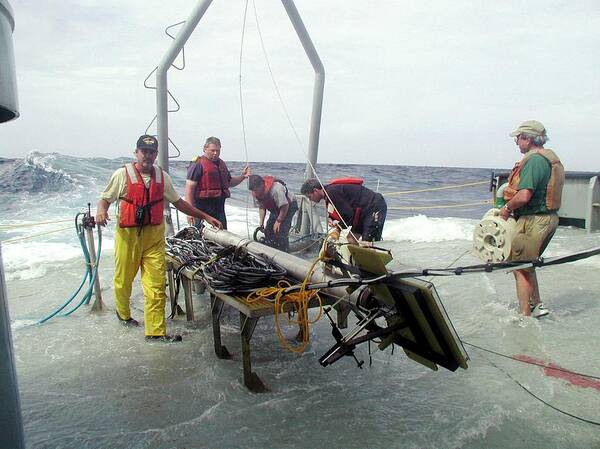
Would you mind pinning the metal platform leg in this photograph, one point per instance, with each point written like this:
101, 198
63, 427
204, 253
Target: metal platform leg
343, 311
251, 380
187, 291
216, 307
172, 287
171, 281
199, 287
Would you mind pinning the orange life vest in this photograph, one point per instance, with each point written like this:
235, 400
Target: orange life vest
347, 180
555, 183
214, 182
142, 205
333, 213
267, 200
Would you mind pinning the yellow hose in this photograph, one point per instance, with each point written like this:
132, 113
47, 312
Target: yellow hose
39, 223
432, 189
441, 206
16, 239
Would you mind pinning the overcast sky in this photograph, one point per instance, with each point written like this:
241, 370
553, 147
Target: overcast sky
427, 82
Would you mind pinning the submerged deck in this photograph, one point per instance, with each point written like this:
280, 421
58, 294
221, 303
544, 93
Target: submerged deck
249, 312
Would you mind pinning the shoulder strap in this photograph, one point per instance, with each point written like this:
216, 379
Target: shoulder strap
549, 154
132, 173
158, 175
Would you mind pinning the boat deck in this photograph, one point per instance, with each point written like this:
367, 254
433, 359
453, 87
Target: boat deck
250, 313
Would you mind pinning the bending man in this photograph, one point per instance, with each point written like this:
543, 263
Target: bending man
355, 205
142, 189
271, 194
533, 196
208, 182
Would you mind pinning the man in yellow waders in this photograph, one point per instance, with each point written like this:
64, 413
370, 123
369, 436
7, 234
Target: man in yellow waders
142, 189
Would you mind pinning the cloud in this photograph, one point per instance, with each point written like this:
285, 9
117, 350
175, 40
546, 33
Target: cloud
408, 83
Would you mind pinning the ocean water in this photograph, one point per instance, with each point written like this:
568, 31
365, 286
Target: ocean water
87, 382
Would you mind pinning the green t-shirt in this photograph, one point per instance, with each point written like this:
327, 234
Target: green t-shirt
535, 175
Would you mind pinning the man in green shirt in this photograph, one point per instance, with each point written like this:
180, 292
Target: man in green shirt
533, 197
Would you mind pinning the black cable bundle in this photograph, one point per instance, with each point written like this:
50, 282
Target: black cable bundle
224, 269
241, 272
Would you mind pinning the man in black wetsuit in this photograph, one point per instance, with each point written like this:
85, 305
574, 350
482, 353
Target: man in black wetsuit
351, 204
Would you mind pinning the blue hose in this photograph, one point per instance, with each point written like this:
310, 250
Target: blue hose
88, 293
88, 273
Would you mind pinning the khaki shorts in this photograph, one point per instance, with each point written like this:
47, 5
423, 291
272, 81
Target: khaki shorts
531, 236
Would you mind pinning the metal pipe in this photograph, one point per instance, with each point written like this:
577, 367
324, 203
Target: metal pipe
319, 85
162, 120
317, 105
98, 305
11, 431
161, 79
296, 267
10, 412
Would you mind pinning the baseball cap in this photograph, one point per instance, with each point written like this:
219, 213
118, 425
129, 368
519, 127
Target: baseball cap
147, 142
531, 127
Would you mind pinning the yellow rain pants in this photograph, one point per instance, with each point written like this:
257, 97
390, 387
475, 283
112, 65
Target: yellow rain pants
145, 251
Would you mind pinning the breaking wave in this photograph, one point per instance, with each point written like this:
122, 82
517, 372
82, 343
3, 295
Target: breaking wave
37, 172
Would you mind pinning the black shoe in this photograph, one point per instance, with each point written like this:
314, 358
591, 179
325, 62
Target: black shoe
130, 322
165, 338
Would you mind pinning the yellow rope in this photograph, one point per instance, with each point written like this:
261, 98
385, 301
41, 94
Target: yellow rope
39, 223
16, 239
456, 186
299, 302
441, 206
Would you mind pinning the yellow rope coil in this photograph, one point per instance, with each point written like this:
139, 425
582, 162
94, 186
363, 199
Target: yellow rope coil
299, 302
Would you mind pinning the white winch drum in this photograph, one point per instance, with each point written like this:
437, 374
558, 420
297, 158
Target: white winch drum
492, 237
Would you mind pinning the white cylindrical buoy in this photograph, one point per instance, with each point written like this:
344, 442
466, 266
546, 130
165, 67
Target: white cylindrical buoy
492, 237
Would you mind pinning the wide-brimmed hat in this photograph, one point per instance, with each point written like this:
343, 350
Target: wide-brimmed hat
530, 127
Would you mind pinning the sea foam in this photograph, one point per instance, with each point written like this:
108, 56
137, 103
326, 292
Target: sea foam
422, 229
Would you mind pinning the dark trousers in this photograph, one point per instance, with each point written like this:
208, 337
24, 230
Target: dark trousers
281, 240
373, 221
215, 207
